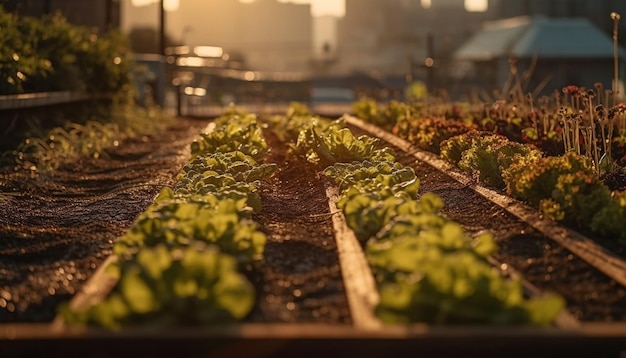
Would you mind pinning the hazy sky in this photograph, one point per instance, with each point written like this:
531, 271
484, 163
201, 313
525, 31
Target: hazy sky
321, 7
318, 7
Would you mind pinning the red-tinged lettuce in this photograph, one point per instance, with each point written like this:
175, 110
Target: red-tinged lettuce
429, 133
489, 156
535, 183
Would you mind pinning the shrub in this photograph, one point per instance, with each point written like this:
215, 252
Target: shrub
489, 156
577, 198
452, 149
50, 54
537, 182
609, 221
429, 133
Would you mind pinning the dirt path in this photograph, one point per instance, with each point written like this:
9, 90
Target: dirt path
300, 280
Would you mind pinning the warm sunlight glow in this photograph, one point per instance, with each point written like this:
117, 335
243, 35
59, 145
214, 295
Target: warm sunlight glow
426, 4
319, 7
323, 7
169, 5
476, 5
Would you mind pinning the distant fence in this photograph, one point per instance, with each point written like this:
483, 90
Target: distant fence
42, 99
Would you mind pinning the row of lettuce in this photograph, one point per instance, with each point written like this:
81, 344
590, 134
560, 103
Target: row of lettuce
427, 268
183, 261
565, 187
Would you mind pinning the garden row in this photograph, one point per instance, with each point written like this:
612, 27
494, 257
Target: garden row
564, 155
181, 262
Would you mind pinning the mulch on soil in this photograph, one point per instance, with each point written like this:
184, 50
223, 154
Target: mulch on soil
300, 280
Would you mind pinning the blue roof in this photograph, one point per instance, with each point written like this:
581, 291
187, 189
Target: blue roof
524, 37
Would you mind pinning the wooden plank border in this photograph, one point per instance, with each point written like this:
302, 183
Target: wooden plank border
42, 99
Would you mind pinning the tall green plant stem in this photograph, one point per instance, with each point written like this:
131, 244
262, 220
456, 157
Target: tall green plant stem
615, 17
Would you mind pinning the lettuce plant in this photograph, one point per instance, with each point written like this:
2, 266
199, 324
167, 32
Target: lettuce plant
609, 220
186, 286
534, 183
489, 156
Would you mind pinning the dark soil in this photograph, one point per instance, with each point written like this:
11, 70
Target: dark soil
56, 230
301, 278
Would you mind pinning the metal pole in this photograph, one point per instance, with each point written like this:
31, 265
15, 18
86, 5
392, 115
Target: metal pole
162, 27
162, 45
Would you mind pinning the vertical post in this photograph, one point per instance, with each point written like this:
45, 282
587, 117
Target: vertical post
162, 27
108, 14
430, 68
162, 66
615, 17
409, 70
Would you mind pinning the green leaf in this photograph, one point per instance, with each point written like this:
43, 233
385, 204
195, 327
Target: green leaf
137, 293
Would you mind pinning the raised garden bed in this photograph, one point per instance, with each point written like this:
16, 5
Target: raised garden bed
309, 296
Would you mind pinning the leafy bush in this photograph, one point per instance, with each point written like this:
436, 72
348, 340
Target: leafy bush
186, 286
429, 133
564, 188
490, 155
50, 54
609, 220
576, 199
452, 148
537, 182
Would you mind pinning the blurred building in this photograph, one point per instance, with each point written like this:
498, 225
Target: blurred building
379, 36
596, 11
395, 39
267, 34
540, 54
100, 14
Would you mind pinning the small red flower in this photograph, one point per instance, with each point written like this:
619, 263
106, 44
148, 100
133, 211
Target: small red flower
571, 89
